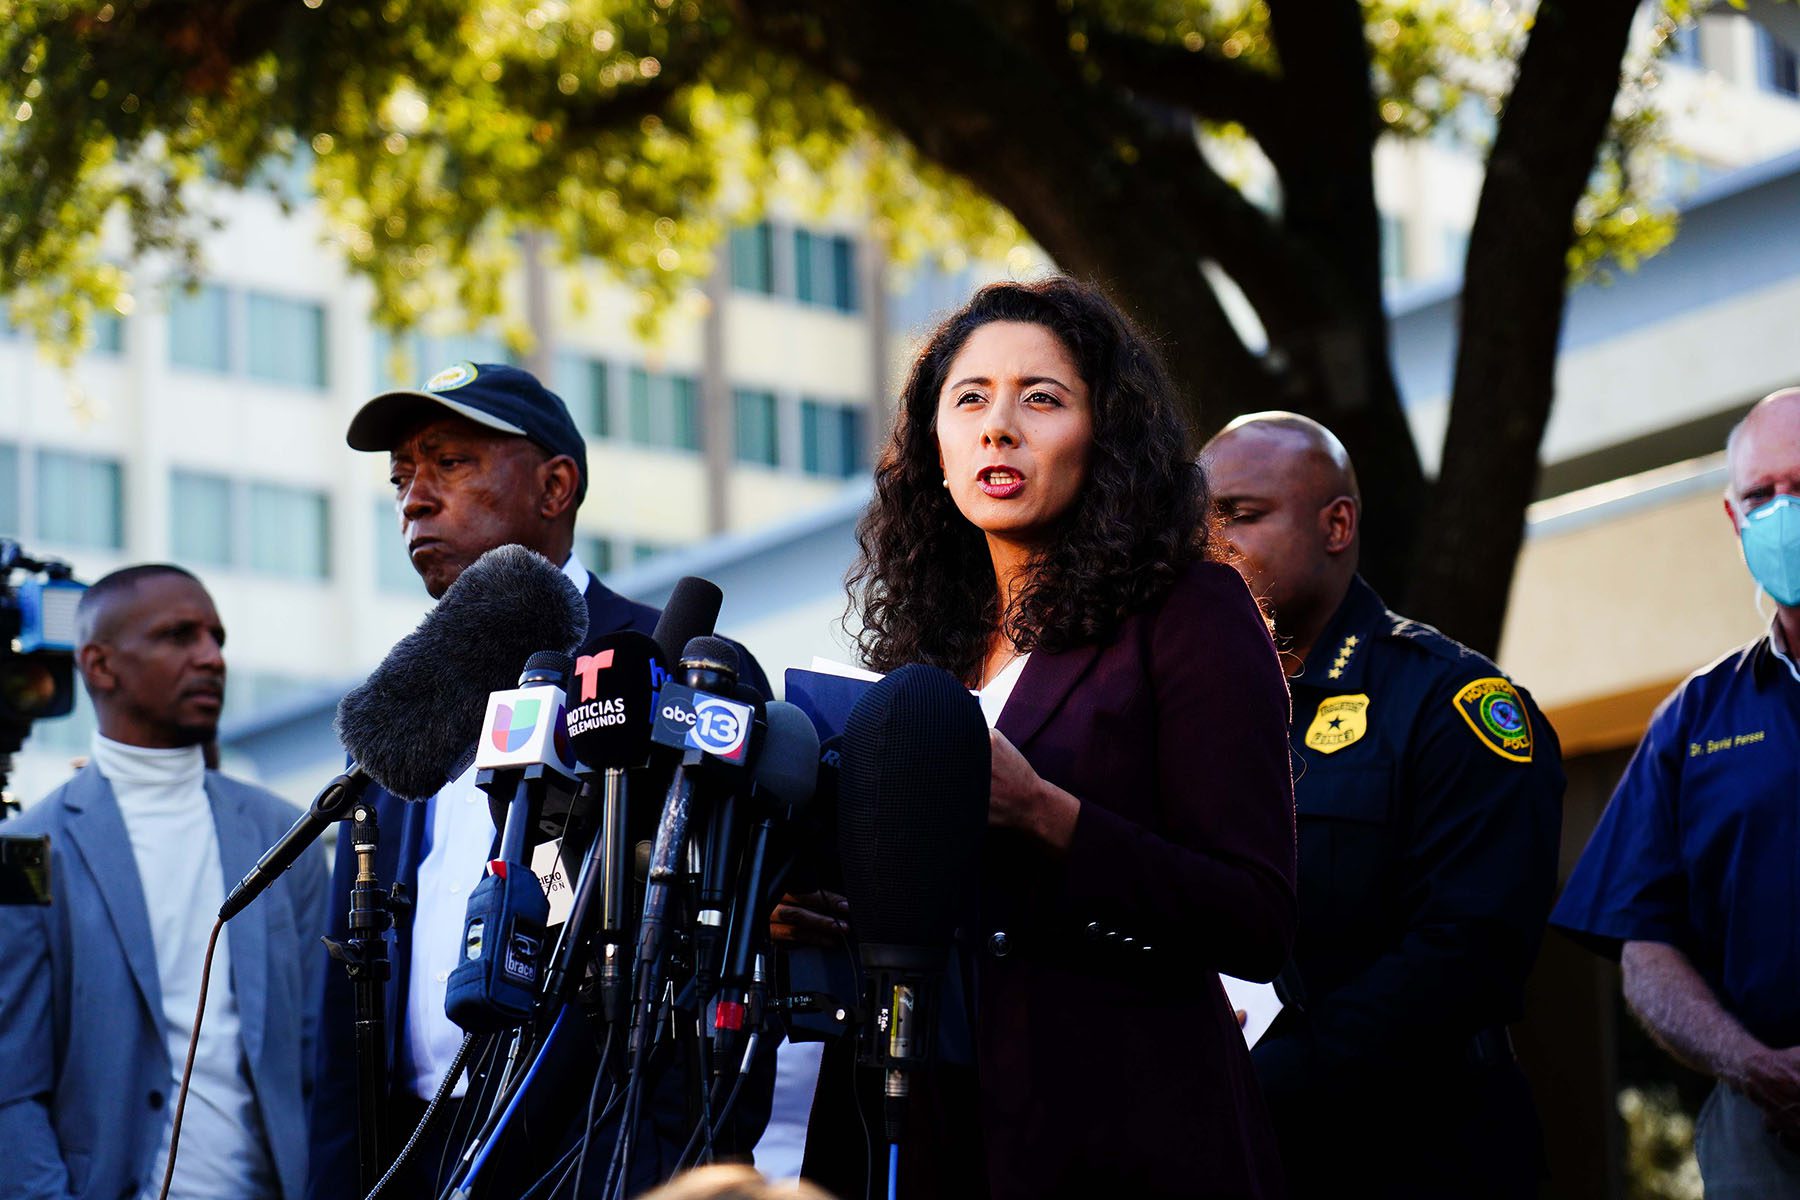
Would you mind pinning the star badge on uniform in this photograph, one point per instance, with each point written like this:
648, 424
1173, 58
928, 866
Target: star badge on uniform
1493, 709
1340, 721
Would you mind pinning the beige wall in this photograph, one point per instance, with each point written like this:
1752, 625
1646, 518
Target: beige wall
1615, 603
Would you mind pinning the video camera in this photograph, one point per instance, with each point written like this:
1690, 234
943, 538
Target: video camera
37, 679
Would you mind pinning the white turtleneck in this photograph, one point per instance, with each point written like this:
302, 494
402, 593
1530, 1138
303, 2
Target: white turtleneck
162, 796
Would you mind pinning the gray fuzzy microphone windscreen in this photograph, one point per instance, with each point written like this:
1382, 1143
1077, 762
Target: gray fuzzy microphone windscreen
418, 712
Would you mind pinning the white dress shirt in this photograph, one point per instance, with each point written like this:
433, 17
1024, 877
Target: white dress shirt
462, 837
999, 690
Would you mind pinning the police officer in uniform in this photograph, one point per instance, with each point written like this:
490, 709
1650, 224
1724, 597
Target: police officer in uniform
1429, 797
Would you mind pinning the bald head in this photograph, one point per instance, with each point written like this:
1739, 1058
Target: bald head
1287, 496
1308, 452
1762, 448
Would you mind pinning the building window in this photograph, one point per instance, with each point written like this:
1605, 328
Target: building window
825, 270
663, 410
1393, 250
285, 341
289, 532
109, 334
1684, 45
595, 552
79, 500
1777, 67
830, 439
757, 439
201, 516
582, 383
407, 360
9, 491
1456, 250
753, 259
200, 329
393, 567
643, 552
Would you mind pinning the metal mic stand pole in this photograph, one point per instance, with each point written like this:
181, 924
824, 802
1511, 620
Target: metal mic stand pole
365, 957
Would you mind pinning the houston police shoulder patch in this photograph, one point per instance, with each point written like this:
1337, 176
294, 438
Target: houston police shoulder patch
1340, 721
1495, 712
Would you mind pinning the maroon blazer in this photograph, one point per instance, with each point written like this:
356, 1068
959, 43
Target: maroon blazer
1110, 1063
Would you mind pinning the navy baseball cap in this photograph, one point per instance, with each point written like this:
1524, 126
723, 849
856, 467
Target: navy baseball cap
501, 397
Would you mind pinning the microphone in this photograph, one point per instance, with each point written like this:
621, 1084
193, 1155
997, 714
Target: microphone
408, 724
609, 728
510, 603
692, 611
782, 782
913, 781
524, 746
718, 842
712, 734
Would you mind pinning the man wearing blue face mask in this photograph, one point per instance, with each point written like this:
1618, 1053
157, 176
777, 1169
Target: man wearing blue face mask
1691, 877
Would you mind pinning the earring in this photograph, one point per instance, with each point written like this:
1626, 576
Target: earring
946, 481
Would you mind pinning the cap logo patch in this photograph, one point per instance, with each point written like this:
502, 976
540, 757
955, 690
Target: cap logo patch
1340, 721
1498, 716
451, 378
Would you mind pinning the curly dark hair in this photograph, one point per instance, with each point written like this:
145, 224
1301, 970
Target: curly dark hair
924, 579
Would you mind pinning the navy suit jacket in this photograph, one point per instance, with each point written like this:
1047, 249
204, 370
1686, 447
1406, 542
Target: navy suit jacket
86, 1084
404, 843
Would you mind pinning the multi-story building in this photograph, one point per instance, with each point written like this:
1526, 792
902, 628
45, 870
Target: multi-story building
206, 428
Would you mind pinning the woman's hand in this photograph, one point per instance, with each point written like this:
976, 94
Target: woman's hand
1019, 798
813, 919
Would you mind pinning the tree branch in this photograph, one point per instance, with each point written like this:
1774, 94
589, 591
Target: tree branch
1212, 87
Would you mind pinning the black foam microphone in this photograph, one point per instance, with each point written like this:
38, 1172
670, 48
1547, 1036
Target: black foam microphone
913, 781
608, 722
409, 723
692, 611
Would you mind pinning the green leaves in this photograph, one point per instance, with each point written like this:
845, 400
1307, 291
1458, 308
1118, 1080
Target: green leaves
632, 132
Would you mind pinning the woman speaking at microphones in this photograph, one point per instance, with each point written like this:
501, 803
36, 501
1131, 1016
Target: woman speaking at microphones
1039, 529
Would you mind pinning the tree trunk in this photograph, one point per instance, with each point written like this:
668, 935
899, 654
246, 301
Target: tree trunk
1512, 313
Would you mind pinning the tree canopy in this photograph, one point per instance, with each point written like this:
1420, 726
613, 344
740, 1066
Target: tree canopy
1113, 133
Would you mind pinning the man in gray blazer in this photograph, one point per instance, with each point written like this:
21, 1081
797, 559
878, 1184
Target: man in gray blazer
98, 990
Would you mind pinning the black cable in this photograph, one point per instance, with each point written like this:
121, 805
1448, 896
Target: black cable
620, 1169
564, 1166
472, 1105
187, 1070
855, 1095
587, 1133
704, 1053
718, 1124
444, 1089
482, 1070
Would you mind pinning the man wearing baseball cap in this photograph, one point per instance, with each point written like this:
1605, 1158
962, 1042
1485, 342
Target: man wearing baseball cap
482, 455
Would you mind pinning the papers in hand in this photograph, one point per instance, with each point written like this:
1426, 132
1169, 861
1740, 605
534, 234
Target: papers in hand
827, 693
1259, 1003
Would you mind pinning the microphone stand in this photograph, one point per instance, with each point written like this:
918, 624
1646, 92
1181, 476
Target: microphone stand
365, 957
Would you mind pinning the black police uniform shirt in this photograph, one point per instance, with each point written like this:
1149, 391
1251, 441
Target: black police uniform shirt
1700, 846
1428, 790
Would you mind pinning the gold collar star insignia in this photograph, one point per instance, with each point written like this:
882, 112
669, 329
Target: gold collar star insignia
1344, 653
